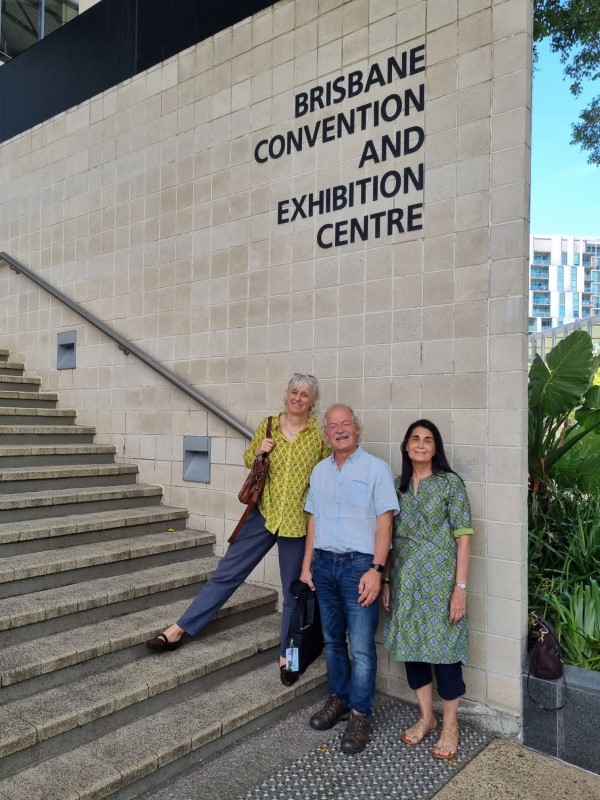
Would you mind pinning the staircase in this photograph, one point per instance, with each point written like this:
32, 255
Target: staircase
92, 565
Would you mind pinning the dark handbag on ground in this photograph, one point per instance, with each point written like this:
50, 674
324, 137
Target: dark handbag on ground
545, 658
305, 626
254, 484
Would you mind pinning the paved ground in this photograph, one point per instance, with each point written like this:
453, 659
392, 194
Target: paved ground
289, 761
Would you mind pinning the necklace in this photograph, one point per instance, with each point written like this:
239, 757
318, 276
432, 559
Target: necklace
290, 432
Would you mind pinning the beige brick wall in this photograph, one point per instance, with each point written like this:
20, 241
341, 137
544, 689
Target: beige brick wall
147, 206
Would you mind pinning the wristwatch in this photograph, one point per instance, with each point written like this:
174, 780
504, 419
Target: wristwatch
461, 585
377, 567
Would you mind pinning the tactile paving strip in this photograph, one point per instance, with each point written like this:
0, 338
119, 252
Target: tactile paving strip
387, 768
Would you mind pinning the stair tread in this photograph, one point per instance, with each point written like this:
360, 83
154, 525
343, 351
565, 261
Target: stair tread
67, 470
65, 707
40, 430
7, 394
50, 562
53, 497
13, 365
55, 449
28, 411
62, 600
33, 379
121, 757
26, 660
83, 523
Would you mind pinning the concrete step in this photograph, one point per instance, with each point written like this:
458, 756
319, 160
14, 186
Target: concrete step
55, 610
55, 455
49, 569
4, 354
31, 667
57, 503
123, 763
46, 434
30, 536
9, 399
11, 367
58, 719
22, 383
37, 416
70, 476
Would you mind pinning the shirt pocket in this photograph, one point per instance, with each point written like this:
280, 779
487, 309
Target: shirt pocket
358, 498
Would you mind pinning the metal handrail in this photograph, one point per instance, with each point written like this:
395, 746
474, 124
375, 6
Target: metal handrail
129, 347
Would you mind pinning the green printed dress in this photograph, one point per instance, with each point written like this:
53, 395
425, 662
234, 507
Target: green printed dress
423, 572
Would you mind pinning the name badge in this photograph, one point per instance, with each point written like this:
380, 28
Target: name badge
291, 659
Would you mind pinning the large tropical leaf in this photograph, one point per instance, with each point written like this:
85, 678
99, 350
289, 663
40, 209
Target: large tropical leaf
539, 375
559, 387
592, 397
588, 419
572, 471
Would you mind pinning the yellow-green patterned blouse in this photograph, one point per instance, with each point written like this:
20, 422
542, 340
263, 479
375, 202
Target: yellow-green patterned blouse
290, 465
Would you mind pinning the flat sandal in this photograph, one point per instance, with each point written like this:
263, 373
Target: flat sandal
421, 728
447, 740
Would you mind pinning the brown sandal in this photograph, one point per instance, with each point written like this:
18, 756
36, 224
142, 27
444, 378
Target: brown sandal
420, 729
447, 741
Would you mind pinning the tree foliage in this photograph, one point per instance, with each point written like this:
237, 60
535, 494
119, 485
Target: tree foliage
573, 28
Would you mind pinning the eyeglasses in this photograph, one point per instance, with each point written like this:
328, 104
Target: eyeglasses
333, 426
303, 375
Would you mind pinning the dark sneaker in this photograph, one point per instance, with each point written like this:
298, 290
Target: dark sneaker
356, 734
333, 711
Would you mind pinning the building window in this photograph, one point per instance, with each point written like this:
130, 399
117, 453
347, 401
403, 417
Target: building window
563, 259
560, 277
540, 257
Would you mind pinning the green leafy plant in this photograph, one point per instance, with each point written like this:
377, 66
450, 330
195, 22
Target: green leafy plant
564, 417
577, 616
564, 498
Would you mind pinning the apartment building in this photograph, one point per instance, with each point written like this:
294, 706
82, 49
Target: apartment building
564, 279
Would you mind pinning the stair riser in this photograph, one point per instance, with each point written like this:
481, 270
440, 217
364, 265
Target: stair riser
82, 734
19, 386
18, 514
26, 402
15, 462
75, 482
90, 537
56, 579
16, 371
38, 419
26, 439
116, 658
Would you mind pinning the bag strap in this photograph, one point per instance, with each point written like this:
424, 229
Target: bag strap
540, 705
250, 505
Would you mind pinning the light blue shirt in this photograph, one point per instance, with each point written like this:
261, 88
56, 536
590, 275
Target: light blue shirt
346, 503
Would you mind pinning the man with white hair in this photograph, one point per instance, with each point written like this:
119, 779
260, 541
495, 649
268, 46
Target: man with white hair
351, 501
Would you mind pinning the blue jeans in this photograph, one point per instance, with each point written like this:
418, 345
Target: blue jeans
336, 578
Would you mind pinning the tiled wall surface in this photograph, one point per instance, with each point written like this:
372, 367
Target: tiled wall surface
147, 206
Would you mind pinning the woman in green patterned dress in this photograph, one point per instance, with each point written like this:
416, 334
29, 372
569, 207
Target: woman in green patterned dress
425, 584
